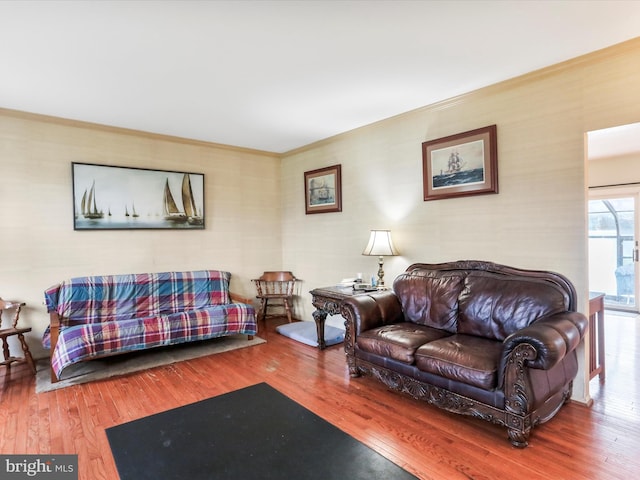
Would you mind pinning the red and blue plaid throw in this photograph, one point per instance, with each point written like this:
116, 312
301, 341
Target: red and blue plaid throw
105, 315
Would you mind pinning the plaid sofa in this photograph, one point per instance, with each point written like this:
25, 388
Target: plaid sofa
98, 316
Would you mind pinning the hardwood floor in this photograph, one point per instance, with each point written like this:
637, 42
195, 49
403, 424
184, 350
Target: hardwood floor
601, 442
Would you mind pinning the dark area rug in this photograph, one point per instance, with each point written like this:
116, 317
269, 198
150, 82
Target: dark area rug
252, 433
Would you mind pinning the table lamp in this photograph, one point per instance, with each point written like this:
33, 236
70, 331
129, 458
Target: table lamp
380, 244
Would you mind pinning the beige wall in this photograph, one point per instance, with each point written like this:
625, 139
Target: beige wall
536, 221
619, 170
38, 246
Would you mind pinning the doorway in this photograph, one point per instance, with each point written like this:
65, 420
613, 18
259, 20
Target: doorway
613, 173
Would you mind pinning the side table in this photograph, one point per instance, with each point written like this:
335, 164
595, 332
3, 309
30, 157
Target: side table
596, 335
328, 301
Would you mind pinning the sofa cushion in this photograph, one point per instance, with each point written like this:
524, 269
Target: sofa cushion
494, 306
82, 342
464, 358
398, 341
430, 297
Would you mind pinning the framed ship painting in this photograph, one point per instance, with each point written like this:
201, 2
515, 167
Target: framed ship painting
124, 198
323, 190
460, 165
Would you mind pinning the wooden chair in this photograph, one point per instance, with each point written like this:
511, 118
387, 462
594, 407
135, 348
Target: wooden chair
275, 286
5, 333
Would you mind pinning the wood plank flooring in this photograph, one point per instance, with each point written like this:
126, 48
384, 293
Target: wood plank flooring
601, 442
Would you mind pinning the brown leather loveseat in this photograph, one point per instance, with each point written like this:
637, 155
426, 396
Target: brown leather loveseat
471, 337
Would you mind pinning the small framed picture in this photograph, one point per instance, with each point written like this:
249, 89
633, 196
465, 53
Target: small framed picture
460, 165
323, 190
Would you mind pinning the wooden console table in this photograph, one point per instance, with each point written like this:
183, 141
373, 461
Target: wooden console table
596, 335
328, 301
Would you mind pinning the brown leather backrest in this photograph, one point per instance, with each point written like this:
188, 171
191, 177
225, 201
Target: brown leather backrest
494, 306
430, 297
554, 278
481, 298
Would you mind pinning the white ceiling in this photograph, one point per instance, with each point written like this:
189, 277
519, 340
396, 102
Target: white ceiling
277, 75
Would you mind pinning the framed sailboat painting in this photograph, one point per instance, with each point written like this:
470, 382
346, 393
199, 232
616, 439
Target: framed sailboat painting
122, 198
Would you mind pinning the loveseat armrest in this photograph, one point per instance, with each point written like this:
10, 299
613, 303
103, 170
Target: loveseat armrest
364, 312
552, 338
372, 310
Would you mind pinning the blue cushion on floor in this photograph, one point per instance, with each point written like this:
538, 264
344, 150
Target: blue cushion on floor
305, 332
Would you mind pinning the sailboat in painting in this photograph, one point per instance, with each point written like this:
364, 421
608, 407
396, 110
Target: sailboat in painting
88, 205
189, 204
171, 212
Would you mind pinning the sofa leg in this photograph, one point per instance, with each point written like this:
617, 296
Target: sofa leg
54, 379
353, 368
518, 438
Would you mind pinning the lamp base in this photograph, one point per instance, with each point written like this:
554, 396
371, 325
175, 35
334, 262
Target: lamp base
380, 272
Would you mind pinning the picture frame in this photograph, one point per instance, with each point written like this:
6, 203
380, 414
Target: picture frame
460, 165
107, 197
323, 190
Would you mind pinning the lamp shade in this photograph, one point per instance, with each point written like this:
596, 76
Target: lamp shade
380, 244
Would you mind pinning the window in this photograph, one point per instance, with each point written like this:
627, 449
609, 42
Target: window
611, 249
